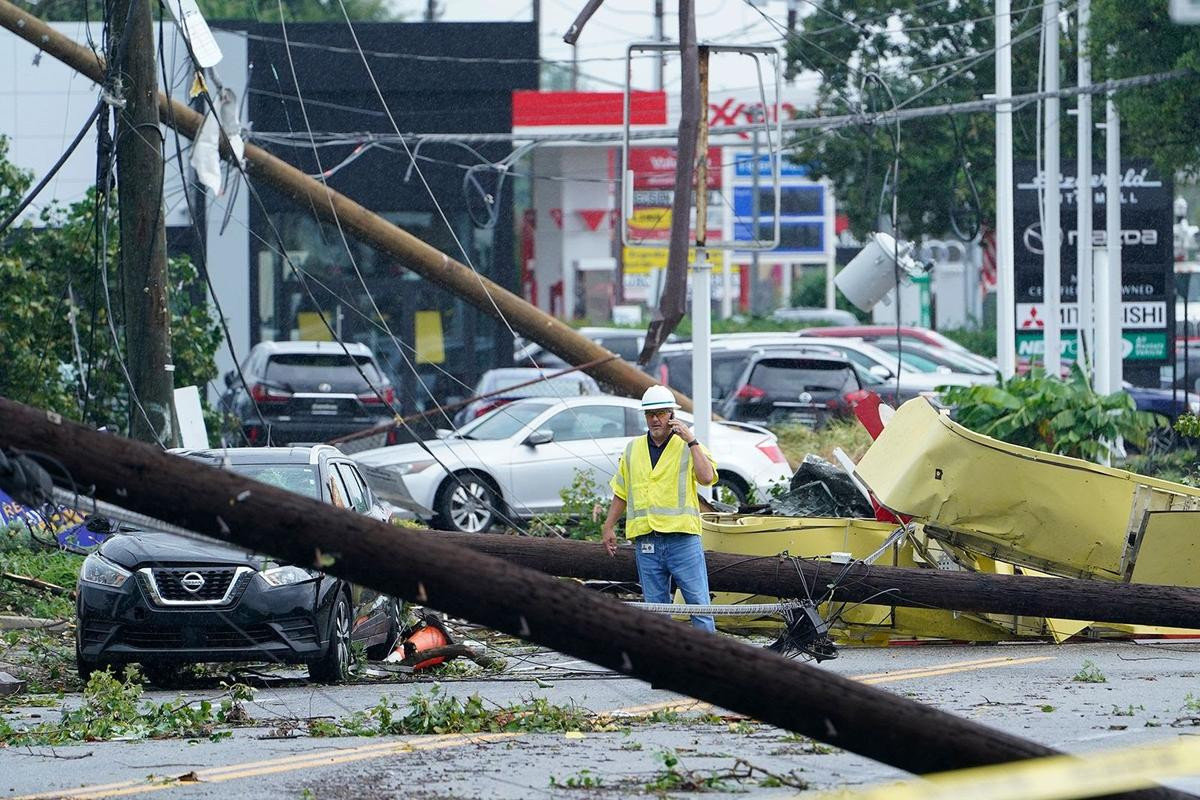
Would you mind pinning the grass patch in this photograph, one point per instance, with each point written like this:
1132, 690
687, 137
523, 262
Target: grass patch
53, 566
1089, 673
797, 440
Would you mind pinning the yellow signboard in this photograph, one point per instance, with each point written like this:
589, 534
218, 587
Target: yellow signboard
430, 341
311, 328
638, 260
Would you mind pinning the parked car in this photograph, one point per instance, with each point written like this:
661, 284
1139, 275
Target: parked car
730, 353
164, 600
794, 386
912, 381
815, 316
928, 358
514, 383
307, 392
515, 461
908, 333
1168, 402
625, 342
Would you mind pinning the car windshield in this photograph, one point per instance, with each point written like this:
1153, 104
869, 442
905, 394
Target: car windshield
726, 369
504, 421
298, 478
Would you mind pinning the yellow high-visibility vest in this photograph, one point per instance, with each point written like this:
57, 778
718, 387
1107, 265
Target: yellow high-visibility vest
661, 499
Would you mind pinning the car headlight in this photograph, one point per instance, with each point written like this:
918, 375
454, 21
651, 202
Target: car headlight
414, 467
285, 576
102, 572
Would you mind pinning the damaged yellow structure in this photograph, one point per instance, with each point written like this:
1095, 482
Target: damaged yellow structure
979, 504
1059, 515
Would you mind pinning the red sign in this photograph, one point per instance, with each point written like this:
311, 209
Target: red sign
654, 167
534, 109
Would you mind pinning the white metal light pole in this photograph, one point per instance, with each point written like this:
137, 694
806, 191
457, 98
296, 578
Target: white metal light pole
1006, 313
1083, 197
1051, 199
1108, 265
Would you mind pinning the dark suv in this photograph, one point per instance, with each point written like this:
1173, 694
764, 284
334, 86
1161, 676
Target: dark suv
307, 392
794, 386
164, 600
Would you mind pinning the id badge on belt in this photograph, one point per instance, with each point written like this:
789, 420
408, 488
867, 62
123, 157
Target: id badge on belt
647, 547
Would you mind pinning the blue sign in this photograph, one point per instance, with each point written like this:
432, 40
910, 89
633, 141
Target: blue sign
743, 166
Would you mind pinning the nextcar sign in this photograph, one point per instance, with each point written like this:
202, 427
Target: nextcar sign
1147, 285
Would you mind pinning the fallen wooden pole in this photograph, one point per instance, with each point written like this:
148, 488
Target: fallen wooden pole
539, 608
1058, 598
364, 225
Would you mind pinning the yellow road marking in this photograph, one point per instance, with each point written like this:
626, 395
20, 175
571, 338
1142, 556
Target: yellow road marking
930, 673
976, 663
330, 757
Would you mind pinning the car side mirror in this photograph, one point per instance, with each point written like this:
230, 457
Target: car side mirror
540, 436
228, 379
880, 371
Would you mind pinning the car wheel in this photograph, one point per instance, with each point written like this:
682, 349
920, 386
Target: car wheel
731, 491
334, 666
378, 652
467, 505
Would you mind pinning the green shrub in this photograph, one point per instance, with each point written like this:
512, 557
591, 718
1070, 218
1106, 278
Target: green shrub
1058, 416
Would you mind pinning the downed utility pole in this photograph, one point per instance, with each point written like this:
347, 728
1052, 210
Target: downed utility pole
364, 225
143, 249
538, 608
778, 576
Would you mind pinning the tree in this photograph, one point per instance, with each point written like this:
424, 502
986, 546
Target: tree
57, 351
872, 54
914, 46
1157, 122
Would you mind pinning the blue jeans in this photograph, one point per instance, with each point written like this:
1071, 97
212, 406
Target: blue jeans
662, 556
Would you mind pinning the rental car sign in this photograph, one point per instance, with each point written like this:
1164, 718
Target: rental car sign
1148, 313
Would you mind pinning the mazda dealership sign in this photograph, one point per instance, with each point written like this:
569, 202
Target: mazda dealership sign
1147, 313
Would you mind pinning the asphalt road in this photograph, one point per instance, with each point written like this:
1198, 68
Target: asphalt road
1025, 689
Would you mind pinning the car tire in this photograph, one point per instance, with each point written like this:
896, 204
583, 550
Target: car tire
467, 505
334, 665
378, 652
730, 489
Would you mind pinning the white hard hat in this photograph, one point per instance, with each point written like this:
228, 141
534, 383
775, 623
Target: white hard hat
658, 398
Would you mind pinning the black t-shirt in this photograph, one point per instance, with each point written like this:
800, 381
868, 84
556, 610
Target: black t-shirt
657, 450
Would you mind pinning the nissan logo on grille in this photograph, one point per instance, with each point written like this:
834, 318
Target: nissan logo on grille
193, 582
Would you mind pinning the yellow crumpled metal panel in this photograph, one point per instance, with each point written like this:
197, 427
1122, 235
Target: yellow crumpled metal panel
1053, 513
806, 537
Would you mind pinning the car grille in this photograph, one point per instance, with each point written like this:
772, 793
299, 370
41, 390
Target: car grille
168, 585
240, 636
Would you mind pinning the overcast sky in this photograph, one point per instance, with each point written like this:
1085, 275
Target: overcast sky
620, 22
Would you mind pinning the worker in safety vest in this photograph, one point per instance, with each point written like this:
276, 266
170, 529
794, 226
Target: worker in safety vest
655, 489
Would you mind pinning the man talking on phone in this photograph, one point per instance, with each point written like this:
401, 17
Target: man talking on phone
655, 488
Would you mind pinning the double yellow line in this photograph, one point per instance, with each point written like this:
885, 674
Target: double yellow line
251, 769
333, 756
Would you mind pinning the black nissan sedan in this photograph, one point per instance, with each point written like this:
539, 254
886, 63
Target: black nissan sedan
164, 600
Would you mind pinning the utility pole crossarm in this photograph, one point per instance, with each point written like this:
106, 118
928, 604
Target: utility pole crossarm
364, 225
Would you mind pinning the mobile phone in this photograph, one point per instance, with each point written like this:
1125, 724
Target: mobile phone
671, 415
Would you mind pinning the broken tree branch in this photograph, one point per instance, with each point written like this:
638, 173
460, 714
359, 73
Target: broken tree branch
538, 608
